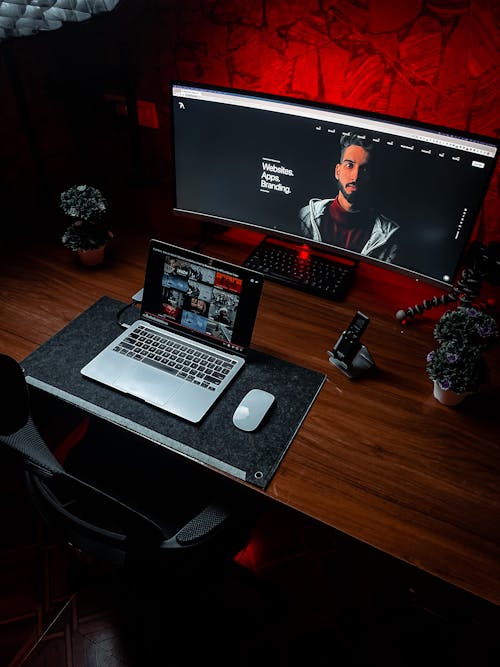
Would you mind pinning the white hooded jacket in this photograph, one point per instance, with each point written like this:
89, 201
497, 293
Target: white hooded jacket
380, 245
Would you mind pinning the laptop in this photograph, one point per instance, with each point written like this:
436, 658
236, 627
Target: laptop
192, 337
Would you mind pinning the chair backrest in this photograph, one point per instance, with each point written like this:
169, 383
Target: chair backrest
15, 403
90, 518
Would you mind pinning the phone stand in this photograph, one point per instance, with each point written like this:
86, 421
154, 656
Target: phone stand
361, 362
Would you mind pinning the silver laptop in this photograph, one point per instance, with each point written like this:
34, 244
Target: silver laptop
192, 337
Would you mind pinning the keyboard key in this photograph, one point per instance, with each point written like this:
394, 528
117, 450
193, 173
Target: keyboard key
328, 277
191, 364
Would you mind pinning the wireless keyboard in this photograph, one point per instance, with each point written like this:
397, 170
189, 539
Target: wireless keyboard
299, 267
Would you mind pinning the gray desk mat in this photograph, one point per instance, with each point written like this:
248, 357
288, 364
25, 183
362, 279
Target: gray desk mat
253, 457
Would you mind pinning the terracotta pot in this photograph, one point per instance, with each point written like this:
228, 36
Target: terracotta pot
91, 257
448, 396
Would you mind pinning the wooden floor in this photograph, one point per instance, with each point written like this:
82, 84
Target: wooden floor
300, 593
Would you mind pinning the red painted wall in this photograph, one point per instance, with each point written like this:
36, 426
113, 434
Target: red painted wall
431, 60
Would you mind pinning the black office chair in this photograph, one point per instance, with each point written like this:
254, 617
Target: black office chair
119, 498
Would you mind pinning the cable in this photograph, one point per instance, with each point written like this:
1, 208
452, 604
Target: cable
120, 313
136, 300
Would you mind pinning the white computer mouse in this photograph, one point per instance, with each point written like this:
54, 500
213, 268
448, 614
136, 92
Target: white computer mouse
252, 409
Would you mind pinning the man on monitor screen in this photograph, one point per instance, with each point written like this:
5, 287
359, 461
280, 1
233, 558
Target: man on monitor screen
349, 221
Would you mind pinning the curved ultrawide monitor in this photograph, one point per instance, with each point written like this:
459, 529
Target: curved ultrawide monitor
397, 193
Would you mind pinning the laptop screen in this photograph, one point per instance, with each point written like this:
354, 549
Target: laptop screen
202, 297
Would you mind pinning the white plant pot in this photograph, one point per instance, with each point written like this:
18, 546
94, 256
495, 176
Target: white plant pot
448, 396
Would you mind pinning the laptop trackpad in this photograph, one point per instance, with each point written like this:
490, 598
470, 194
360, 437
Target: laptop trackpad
154, 388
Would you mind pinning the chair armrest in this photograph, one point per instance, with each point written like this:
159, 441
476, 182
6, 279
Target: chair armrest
201, 527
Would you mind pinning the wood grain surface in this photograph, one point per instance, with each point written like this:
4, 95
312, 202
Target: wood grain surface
377, 458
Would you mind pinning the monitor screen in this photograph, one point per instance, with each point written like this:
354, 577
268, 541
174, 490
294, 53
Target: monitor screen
397, 193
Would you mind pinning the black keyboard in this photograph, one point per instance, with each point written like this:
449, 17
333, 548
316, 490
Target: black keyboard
312, 272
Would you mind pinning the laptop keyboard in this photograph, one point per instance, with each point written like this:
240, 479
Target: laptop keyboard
181, 359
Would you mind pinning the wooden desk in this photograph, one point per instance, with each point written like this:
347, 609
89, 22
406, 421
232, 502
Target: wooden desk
378, 457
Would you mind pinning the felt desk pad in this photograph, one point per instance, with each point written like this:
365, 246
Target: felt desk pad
254, 457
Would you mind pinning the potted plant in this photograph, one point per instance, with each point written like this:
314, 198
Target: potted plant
457, 366
88, 234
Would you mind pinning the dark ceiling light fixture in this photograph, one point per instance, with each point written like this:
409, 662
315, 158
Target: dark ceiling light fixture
23, 18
